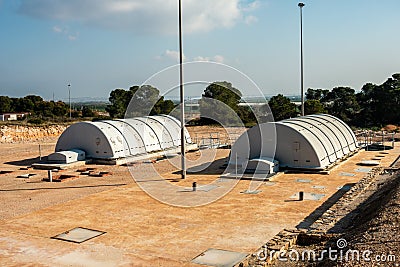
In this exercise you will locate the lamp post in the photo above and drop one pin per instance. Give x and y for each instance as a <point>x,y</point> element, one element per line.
<point>69,99</point>
<point>182,96</point>
<point>301,5</point>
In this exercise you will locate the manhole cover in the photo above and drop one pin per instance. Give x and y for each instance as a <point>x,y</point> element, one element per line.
<point>363,170</point>
<point>204,188</point>
<point>251,192</point>
<point>308,196</point>
<point>347,174</point>
<point>78,235</point>
<point>303,181</point>
<point>219,258</point>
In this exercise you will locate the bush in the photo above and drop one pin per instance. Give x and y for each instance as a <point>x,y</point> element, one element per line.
<point>35,120</point>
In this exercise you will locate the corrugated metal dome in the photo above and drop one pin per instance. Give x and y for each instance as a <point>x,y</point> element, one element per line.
<point>113,139</point>
<point>313,141</point>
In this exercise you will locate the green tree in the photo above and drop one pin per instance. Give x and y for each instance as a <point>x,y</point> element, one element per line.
<point>380,104</point>
<point>282,108</point>
<point>119,99</point>
<point>60,109</point>
<point>5,104</point>
<point>211,108</point>
<point>316,94</point>
<point>138,101</point>
<point>313,106</point>
<point>342,103</point>
<point>87,112</point>
<point>44,109</point>
<point>163,107</point>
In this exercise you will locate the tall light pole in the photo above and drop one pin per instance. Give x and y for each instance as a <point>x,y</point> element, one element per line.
<point>182,96</point>
<point>301,5</point>
<point>69,99</point>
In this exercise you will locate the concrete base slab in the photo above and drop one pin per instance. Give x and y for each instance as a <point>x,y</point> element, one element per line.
<point>366,170</point>
<point>52,166</point>
<point>137,158</point>
<point>303,181</point>
<point>219,258</point>
<point>247,176</point>
<point>347,174</point>
<point>78,235</point>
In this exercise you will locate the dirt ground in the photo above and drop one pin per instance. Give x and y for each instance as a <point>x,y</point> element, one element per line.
<point>141,230</point>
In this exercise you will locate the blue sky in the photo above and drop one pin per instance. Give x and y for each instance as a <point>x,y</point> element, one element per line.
<point>100,45</point>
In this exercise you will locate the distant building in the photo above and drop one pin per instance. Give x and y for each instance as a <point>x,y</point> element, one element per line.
<point>13,116</point>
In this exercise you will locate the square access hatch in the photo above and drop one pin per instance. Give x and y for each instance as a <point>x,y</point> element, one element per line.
<point>78,235</point>
<point>219,258</point>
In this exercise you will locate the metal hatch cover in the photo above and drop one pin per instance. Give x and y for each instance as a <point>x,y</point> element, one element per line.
<point>78,235</point>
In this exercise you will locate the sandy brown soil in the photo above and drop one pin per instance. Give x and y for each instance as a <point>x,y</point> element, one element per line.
<point>20,196</point>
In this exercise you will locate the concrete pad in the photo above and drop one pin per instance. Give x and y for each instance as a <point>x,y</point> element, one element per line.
<point>303,180</point>
<point>308,196</point>
<point>78,235</point>
<point>347,174</point>
<point>219,258</point>
<point>51,166</point>
<point>366,170</point>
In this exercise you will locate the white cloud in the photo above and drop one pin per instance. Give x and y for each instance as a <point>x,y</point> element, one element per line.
<point>250,19</point>
<point>57,29</point>
<point>174,55</point>
<point>217,58</point>
<point>66,32</point>
<point>73,37</point>
<point>151,16</point>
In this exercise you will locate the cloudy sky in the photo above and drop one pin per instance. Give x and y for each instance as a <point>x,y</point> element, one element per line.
<point>99,45</point>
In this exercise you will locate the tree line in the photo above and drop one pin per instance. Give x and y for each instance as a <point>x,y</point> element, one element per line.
<point>374,106</point>
<point>40,110</point>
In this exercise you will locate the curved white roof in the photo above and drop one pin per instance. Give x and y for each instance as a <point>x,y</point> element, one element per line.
<point>314,141</point>
<point>113,139</point>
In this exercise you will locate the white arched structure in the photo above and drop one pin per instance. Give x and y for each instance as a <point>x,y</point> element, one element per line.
<point>115,139</point>
<point>308,142</point>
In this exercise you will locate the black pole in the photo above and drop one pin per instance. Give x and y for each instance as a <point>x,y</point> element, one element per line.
<point>69,100</point>
<point>301,5</point>
<point>182,96</point>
